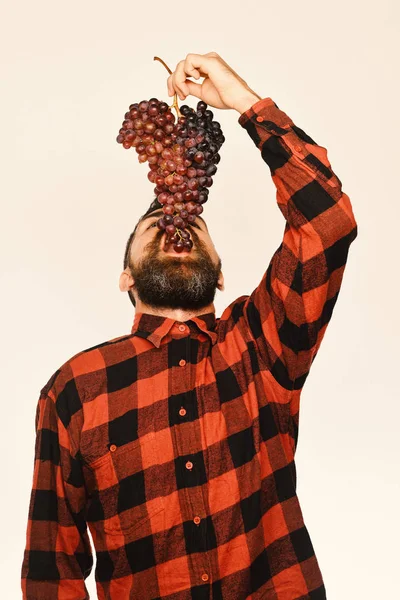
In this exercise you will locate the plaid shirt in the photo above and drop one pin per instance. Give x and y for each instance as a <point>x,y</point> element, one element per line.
<point>174,445</point>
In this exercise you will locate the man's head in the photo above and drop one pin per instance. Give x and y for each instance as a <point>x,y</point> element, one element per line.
<point>160,279</point>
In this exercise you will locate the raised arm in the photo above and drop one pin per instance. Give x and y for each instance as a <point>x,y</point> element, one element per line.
<point>57,556</point>
<point>290,309</point>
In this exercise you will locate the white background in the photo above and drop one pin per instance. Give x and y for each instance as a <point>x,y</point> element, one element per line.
<point>70,196</point>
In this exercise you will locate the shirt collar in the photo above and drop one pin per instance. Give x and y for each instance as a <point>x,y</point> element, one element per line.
<point>155,327</point>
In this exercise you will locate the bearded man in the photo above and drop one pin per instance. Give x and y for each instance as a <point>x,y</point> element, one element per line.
<point>174,444</point>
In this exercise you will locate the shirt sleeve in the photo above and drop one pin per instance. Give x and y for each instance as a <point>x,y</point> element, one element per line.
<point>288,312</point>
<point>57,557</point>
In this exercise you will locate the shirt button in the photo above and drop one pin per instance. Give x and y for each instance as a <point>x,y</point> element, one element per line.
<point>182,362</point>
<point>189,465</point>
<point>113,448</point>
<point>182,412</point>
<point>197,520</point>
<point>260,119</point>
<point>182,328</point>
<point>204,577</point>
<point>298,148</point>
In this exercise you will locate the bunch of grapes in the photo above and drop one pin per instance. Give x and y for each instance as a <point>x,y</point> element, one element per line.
<point>182,156</point>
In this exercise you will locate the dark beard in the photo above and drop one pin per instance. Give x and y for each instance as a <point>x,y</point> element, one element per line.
<point>187,282</point>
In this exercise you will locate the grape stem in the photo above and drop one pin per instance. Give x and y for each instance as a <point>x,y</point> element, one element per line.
<point>175,102</point>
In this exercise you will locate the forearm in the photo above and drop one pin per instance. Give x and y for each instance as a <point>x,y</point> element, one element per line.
<point>307,186</point>
<point>57,556</point>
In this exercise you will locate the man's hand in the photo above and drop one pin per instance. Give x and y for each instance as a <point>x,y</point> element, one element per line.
<point>221,88</point>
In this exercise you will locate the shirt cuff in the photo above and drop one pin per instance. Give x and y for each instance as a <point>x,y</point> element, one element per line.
<point>263,111</point>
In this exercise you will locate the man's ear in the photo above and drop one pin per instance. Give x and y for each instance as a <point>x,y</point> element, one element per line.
<point>126,280</point>
<point>220,283</point>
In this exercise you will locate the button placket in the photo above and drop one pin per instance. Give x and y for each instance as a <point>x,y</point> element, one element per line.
<point>189,465</point>
<point>182,363</point>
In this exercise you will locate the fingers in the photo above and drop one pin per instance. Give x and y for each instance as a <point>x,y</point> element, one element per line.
<point>190,69</point>
<point>170,87</point>
<point>178,79</point>
<point>196,66</point>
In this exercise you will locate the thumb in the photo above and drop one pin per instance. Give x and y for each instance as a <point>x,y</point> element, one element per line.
<point>194,88</point>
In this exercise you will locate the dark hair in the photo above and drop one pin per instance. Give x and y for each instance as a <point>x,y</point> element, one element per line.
<point>155,205</point>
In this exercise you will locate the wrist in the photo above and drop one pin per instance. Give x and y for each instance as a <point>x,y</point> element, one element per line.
<point>246,102</point>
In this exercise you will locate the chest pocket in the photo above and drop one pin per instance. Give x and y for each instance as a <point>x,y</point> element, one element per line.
<point>126,492</point>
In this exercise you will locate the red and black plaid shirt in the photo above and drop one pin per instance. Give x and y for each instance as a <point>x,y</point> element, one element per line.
<point>175,444</point>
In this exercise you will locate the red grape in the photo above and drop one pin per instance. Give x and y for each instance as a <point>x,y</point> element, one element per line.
<point>160,223</point>
<point>149,127</point>
<point>151,151</point>
<point>178,179</point>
